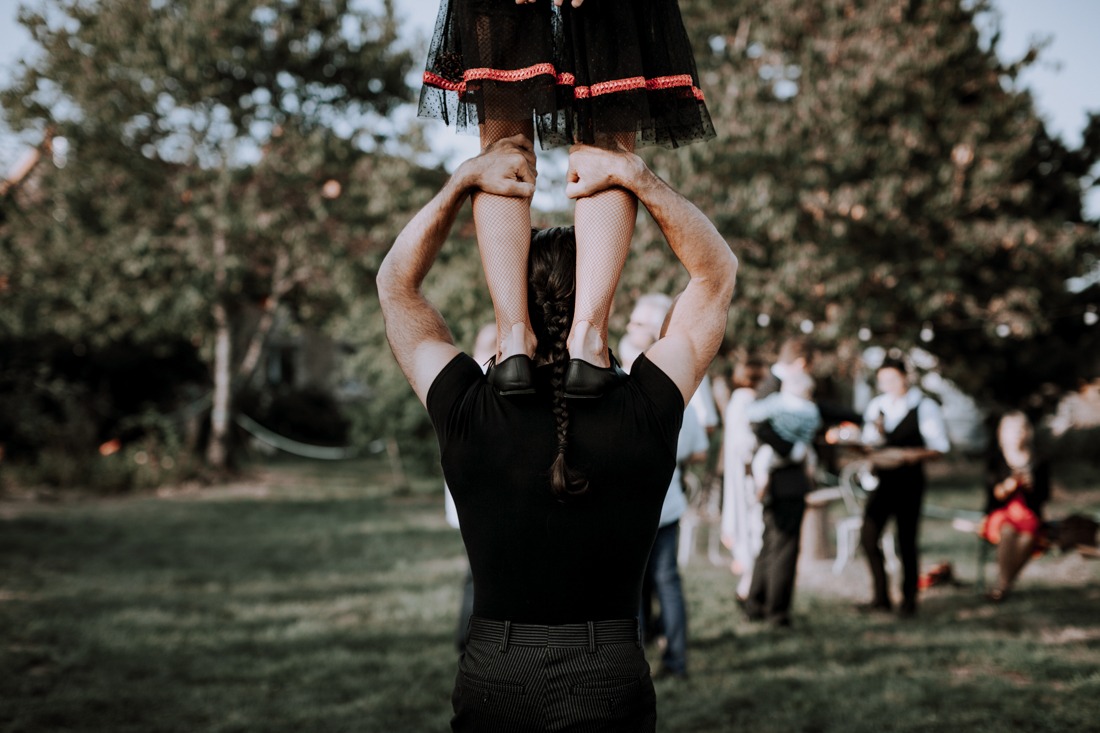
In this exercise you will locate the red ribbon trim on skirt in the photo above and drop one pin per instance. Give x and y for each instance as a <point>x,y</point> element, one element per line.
<point>579,92</point>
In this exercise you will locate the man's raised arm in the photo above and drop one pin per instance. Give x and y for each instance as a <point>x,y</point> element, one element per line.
<point>418,335</point>
<point>697,322</point>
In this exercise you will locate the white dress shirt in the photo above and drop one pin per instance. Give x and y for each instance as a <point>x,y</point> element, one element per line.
<point>894,409</point>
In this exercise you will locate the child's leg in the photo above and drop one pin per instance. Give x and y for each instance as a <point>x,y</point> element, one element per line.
<point>1025,548</point>
<point>1013,552</point>
<point>604,226</point>
<point>503,226</point>
<point>1006,558</point>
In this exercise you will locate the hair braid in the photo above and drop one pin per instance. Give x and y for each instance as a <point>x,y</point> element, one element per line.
<point>551,298</point>
<point>563,480</point>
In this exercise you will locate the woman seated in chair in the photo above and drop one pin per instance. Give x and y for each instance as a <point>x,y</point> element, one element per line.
<point>1017,487</point>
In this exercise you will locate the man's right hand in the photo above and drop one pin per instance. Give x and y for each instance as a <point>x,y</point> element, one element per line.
<point>505,168</point>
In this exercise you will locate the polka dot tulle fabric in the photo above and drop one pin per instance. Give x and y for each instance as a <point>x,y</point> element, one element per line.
<point>582,74</point>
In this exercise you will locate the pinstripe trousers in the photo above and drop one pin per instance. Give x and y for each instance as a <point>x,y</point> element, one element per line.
<point>580,678</point>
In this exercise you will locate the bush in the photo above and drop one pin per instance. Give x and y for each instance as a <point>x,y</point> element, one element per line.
<point>41,417</point>
<point>63,406</point>
<point>152,455</point>
<point>308,415</point>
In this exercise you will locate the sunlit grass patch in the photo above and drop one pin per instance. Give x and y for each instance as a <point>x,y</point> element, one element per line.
<point>323,599</point>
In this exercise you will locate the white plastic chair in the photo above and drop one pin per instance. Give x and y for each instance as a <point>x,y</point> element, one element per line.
<point>856,479</point>
<point>703,512</point>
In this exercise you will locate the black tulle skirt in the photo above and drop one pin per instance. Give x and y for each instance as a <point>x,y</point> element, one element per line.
<point>608,68</point>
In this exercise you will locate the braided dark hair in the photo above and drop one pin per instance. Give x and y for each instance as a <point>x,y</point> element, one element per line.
<point>551,291</point>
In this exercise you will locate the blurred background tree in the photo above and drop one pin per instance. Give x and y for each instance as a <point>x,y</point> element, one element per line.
<point>211,163</point>
<point>210,169</point>
<point>885,181</point>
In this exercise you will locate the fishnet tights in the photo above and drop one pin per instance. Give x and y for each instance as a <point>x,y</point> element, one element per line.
<point>503,226</point>
<point>604,227</point>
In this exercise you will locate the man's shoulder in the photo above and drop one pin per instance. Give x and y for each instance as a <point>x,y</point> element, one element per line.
<point>651,379</point>
<point>454,378</point>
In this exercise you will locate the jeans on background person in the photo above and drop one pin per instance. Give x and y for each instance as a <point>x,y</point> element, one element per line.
<point>663,576</point>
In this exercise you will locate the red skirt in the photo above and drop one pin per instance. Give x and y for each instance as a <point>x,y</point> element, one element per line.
<point>1015,514</point>
<point>610,67</point>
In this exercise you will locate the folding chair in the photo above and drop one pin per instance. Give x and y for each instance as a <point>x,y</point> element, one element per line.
<point>855,481</point>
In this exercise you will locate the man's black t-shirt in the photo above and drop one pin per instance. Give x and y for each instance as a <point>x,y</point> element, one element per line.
<point>535,558</point>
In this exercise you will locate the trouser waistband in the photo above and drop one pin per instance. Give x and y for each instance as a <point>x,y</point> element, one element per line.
<point>591,634</point>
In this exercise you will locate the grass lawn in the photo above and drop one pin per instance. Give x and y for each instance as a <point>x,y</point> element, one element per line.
<point>315,598</point>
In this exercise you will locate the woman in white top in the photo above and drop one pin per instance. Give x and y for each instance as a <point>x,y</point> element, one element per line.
<point>742,515</point>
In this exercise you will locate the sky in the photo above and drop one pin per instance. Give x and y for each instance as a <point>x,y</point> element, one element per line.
<point>1064,83</point>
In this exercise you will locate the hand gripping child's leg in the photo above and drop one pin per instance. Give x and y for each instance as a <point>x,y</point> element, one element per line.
<point>503,226</point>
<point>604,226</point>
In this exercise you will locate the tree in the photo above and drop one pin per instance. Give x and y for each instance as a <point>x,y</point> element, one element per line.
<point>882,177</point>
<point>218,154</point>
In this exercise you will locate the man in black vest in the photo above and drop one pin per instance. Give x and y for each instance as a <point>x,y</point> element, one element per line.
<point>908,429</point>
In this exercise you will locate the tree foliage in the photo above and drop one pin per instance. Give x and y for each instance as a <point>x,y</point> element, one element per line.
<point>878,170</point>
<point>882,177</point>
<point>219,158</point>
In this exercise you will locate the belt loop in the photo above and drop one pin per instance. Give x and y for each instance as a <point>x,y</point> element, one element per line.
<point>591,637</point>
<point>504,641</point>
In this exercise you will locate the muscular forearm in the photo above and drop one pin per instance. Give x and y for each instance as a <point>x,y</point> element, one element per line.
<point>699,316</point>
<point>417,333</point>
<point>414,251</point>
<point>698,319</point>
<point>506,168</point>
<point>690,234</point>
<point>411,320</point>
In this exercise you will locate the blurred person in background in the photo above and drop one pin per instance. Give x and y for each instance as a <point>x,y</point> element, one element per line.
<point>792,414</point>
<point>1017,486</point>
<point>782,483</point>
<point>906,428</point>
<point>742,524</point>
<point>662,579</point>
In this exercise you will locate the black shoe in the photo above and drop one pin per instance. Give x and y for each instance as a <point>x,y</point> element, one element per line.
<point>586,381</point>
<point>908,609</point>
<point>512,376</point>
